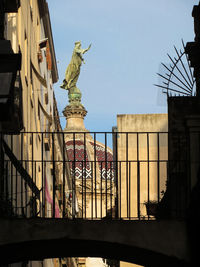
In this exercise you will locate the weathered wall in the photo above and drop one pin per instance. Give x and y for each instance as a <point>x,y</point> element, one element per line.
<point>144,177</point>
<point>141,179</point>
<point>142,122</point>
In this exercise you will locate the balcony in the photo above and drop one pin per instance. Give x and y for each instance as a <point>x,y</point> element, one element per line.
<point>118,177</point>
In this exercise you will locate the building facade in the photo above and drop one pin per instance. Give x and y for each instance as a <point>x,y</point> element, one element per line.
<point>142,153</point>
<point>35,178</point>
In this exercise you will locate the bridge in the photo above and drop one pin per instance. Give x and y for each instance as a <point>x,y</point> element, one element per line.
<point>139,242</point>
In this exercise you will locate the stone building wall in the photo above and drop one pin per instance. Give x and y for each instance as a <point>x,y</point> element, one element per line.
<point>134,183</point>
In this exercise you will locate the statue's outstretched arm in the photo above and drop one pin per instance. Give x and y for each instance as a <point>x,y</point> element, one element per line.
<point>85,50</point>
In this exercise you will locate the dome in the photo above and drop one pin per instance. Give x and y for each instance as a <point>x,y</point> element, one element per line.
<point>83,160</point>
<point>79,162</point>
<point>92,171</point>
<point>104,157</point>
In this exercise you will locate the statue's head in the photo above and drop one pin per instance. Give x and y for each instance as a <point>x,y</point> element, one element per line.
<point>78,44</point>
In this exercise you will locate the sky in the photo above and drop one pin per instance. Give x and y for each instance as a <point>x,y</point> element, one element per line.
<point>130,39</point>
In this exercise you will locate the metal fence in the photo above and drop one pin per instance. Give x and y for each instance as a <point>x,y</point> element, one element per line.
<point>107,175</point>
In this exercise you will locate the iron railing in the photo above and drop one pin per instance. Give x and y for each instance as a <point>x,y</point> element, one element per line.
<point>114,175</point>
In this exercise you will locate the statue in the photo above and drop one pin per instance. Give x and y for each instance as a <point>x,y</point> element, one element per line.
<point>73,71</point>
<point>75,110</point>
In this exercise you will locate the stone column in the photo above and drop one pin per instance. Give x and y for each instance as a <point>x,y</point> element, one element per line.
<point>75,118</point>
<point>75,113</point>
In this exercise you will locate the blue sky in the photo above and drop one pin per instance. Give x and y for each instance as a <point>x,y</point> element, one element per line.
<point>130,38</point>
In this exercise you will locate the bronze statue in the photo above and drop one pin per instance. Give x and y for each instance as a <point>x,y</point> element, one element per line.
<point>73,69</point>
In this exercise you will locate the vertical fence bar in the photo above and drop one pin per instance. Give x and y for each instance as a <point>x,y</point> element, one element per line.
<point>82,172</point>
<point>116,166</point>
<point>188,167</point>
<point>120,190</point>
<point>2,168</point>
<point>92,190</point>
<point>5,174</point>
<point>115,170</point>
<point>22,147</point>
<point>11,173</point>
<point>184,169</point>
<point>139,190</point>
<point>32,160</point>
<point>74,177</point>
<point>129,189</point>
<point>169,162</point>
<point>85,170</point>
<point>180,169</point>
<point>74,186</point>
<point>10,168</point>
<point>127,184</point>
<point>138,178</point>
<point>101,215</point>
<point>158,166</point>
<point>148,178</point>
<point>42,162</point>
<point>54,176</point>
<point>111,178</point>
<point>14,172</point>
<point>178,163</point>
<point>35,201</point>
<point>11,188</point>
<point>95,175</point>
<point>16,195</point>
<point>106,171</point>
<point>26,191</point>
<point>1,162</point>
<point>13,195</point>
<point>64,174</point>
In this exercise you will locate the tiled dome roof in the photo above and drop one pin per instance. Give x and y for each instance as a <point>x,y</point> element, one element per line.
<point>80,159</point>
<point>83,160</point>
<point>105,160</point>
